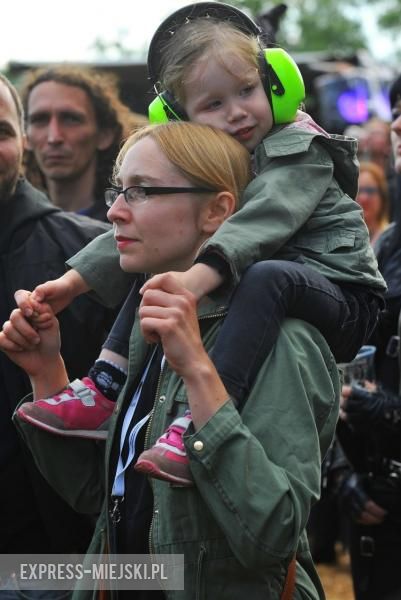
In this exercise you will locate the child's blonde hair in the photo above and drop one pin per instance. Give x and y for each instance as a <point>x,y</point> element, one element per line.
<point>201,39</point>
<point>208,157</point>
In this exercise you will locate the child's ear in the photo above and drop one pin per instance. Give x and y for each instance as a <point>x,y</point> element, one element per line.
<point>222,206</point>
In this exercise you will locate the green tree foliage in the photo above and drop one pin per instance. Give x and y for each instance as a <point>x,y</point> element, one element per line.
<point>323,26</point>
<point>390,15</point>
<point>118,48</point>
<point>313,25</point>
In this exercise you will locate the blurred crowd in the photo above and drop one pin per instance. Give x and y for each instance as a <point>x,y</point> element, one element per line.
<point>360,507</point>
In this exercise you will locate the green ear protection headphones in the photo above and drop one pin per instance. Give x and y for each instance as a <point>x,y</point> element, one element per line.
<point>282,79</point>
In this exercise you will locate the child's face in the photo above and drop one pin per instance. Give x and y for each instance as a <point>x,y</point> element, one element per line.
<point>230,97</point>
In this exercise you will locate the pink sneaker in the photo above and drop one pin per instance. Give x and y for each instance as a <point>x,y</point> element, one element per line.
<point>78,411</point>
<point>167,459</point>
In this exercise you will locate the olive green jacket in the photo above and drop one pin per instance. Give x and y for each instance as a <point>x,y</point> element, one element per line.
<point>299,207</point>
<point>256,473</point>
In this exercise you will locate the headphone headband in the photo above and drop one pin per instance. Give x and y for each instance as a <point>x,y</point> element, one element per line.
<point>217,10</point>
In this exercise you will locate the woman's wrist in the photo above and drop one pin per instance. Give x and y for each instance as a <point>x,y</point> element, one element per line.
<point>51,380</point>
<point>205,390</point>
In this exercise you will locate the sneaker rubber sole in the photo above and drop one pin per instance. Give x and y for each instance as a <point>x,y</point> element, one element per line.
<point>152,470</point>
<point>80,433</point>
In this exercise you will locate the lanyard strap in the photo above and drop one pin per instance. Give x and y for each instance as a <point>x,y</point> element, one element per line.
<point>119,479</point>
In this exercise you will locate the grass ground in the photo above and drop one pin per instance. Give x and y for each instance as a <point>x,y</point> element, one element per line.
<point>336,579</point>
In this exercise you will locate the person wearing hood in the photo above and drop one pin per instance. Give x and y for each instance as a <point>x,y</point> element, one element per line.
<point>36,238</point>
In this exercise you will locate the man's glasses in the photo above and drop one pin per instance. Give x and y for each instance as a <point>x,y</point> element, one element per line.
<point>369,190</point>
<point>136,194</point>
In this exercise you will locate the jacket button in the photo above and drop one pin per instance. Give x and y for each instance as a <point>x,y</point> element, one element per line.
<point>162,399</point>
<point>198,445</point>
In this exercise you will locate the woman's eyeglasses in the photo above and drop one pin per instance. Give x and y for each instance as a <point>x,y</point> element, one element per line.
<point>369,190</point>
<point>136,194</point>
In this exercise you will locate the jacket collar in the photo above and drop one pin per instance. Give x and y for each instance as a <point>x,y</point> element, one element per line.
<point>294,138</point>
<point>27,205</point>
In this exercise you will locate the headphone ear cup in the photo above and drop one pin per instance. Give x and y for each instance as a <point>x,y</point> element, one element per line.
<point>156,112</point>
<point>286,85</point>
<point>165,108</point>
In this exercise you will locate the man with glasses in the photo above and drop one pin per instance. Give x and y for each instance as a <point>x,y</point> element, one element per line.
<point>36,238</point>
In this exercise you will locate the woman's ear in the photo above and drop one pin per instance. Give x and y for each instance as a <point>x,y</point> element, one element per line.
<point>218,209</point>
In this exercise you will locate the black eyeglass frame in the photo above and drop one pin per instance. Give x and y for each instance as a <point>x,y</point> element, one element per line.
<point>369,190</point>
<point>149,191</point>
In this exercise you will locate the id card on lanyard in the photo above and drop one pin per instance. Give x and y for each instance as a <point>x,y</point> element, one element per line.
<point>118,489</point>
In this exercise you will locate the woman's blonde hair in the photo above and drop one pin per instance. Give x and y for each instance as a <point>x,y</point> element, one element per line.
<point>378,174</point>
<point>201,39</point>
<point>208,157</point>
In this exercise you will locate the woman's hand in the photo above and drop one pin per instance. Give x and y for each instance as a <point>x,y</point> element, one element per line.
<point>30,348</point>
<point>356,502</point>
<point>168,314</point>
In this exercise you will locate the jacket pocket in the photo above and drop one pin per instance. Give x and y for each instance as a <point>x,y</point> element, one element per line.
<point>324,242</point>
<point>175,399</point>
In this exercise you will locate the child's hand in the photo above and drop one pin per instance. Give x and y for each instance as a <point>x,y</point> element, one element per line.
<point>42,317</point>
<point>200,279</point>
<point>38,314</point>
<point>58,293</point>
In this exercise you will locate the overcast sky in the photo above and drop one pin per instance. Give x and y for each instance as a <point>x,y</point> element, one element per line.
<point>65,30</point>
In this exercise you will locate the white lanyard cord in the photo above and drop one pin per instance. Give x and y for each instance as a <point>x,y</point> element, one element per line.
<point>119,480</point>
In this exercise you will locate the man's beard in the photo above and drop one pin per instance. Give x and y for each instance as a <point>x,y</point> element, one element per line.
<point>7,187</point>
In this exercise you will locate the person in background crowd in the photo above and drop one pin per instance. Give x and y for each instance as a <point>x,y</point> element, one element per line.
<point>370,430</point>
<point>36,238</point>
<point>360,135</point>
<point>373,198</point>
<point>376,147</point>
<point>75,126</point>
<point>377,143</point>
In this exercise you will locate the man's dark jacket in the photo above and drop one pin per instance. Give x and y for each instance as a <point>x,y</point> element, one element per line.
<point>36,238</point>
